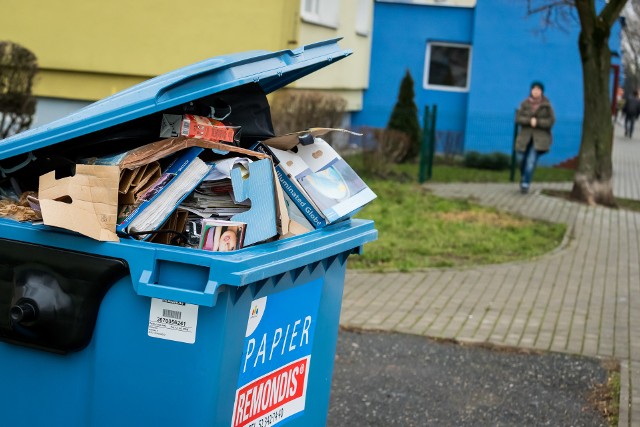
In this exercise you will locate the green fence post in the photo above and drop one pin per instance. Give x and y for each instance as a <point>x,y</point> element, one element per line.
<point>512,176</point>
<point>424,148</point>
<point>432,139</point>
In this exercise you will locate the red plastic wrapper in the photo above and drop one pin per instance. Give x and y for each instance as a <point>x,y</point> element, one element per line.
<point>192,126</point>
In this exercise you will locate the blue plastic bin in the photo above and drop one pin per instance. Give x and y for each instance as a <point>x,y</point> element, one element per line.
<point>133,333</point>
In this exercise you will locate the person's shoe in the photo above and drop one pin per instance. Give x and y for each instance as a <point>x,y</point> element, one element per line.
<point>524,190</point>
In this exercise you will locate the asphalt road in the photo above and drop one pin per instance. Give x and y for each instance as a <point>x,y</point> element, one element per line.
<point>386,379</point>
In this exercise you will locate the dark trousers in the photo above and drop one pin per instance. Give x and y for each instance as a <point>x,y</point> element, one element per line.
<point>528,161</point>
<point>629,122</point>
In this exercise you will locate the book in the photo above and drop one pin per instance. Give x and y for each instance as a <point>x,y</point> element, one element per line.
<point>293,192</point>
<point>222,236</point>
<point>178,180</point>
<point>320,182</point>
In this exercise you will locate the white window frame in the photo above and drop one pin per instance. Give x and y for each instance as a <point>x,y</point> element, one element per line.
<point>321,12</point>
<point>363,17</point>
<point>427,63</point>
<point>447,3</point>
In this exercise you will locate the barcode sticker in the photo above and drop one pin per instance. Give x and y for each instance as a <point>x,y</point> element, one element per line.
<point>173,320</point>
<point>172,314</point>
<point>186,127</point>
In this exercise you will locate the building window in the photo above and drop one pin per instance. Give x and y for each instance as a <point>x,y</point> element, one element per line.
<point>363,17</point>
<point>448,3</point>
<point>321,12</point>
<point>447,66</point>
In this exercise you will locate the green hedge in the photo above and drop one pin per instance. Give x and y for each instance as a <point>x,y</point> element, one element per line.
<point>492,161</point>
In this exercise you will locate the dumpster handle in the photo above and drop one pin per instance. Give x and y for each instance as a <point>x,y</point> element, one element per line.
<point>202,290</point>
<point>148,287</point>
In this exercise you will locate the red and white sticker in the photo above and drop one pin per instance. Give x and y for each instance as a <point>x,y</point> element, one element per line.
<point>273,397</point>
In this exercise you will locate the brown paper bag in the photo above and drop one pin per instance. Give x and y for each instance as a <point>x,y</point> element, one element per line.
<point>161,149</point>
<point>176,222</point>
<point>144,178</point>
<point>86,202</point>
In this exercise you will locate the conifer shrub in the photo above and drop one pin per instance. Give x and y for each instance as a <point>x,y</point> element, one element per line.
<point>404,117</point>
<point>492,161</point>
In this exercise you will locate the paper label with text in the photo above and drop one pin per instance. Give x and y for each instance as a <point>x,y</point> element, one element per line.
<point>173,320</point>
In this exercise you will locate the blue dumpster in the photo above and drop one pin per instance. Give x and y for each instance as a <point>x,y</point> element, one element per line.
<point>133,333</point>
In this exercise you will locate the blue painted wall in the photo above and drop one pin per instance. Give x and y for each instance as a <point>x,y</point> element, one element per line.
<point>507,58</point>
<point>400,36</point>
<point>509,51</point>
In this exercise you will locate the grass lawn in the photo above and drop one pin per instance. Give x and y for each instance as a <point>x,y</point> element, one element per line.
<point>445,173</point>
<point>419,230</point>
<point>457,173</point>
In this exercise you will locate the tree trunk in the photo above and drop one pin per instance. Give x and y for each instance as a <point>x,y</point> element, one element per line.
<point>592,182</point>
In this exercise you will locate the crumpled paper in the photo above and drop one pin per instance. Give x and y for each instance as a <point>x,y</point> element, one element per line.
<point>19,211</point>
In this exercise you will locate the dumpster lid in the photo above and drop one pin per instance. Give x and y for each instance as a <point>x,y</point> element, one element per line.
<point>270,70</point>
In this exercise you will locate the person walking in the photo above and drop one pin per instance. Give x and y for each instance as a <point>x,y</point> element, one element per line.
<point>536,118</point>
<point>620,98</point>
<point>631,112</point>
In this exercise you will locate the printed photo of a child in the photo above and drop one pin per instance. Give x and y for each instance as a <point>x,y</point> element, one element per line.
<point>222,236</point>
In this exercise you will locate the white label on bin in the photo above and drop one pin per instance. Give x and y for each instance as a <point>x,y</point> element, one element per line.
<point>173,320</point>
<point>274,369</point>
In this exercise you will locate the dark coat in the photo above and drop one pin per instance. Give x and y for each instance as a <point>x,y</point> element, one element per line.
<point>632,107</point>
<point>541,134</point>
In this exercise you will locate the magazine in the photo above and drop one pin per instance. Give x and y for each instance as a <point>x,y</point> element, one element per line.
<point>164,196</point>
<point>222,236</point>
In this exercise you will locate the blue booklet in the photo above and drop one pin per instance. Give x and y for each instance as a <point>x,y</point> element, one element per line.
<point>179,179</point>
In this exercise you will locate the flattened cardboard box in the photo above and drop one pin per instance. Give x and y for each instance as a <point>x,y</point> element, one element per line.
<point>86,202</point>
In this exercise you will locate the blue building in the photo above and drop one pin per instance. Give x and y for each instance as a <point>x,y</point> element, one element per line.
<point>475,61</point>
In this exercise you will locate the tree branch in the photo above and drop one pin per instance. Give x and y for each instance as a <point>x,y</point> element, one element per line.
<point>611,11</point>
<point>555,13</point>
<point>586,12</point>
<point>531,10</point>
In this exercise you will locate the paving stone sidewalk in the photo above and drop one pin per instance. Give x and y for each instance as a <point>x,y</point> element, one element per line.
<point>582,298</point>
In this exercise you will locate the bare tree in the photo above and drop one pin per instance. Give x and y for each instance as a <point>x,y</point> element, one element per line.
<point>18,67</point>
<point>631,45</point>
<point>592,181</point>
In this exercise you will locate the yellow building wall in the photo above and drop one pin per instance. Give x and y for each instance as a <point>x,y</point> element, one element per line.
<point>350,76</point>
<point>89,49</point>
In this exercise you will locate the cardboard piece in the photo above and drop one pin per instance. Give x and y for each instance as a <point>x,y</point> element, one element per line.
<point>259,187</point>
<point>295,229</point>
<point>282,213</point>
<point>176,222</point>
<point>19,211</point>
<point>290,140</point>
<point>86,202</point>
<point>134,183</point>
<point>163,148</point>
